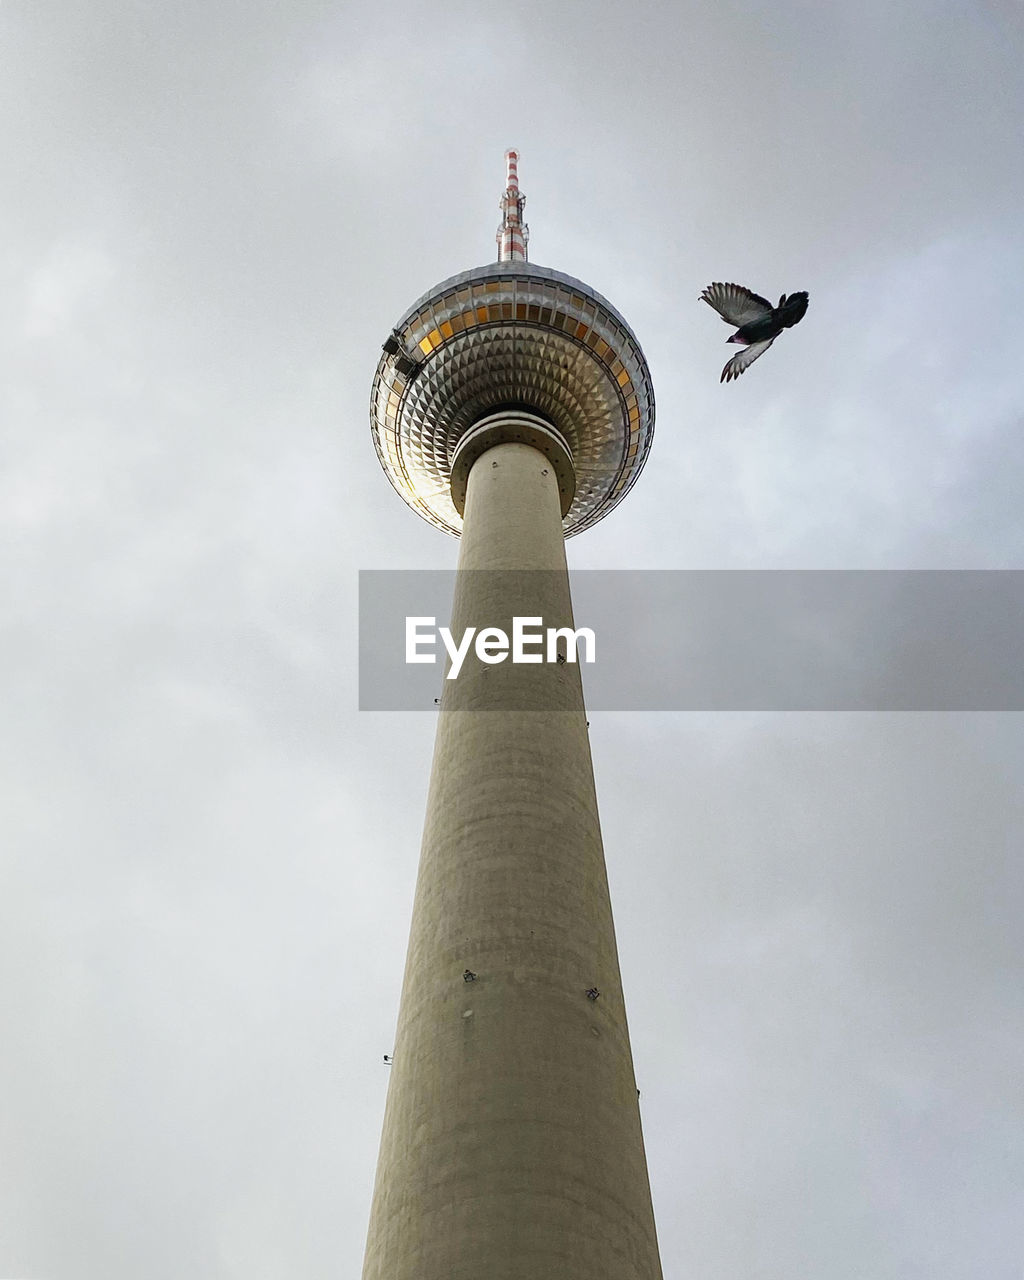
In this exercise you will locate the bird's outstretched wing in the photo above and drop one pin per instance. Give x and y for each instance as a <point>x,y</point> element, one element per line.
<point>735,304</point>
<point>744,360</point>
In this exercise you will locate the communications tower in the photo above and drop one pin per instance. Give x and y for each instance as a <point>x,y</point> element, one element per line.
<point>512,407</point>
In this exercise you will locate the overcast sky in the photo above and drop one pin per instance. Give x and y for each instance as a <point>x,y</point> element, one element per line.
<point>213,215</point>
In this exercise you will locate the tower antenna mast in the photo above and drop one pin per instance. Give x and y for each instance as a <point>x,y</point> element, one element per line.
<point>513,233</point>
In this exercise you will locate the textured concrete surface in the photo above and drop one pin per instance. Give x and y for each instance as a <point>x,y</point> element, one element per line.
<point>512,1147</point>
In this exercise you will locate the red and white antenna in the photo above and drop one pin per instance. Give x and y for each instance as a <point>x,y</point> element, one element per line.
<point>513,233</point>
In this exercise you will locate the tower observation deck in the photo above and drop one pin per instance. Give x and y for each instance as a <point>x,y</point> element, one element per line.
<point>511,334</point>
<point>512,407</point>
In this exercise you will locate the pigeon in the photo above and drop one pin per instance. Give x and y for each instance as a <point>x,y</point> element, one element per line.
<point>759,322</point>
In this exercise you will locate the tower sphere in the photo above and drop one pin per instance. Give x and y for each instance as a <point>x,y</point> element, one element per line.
<point>512,336</point>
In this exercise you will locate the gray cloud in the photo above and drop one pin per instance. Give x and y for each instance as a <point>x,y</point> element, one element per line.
<point>214,217</point>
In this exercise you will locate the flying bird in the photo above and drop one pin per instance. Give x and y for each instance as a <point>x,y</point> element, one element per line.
<point>759,322</point>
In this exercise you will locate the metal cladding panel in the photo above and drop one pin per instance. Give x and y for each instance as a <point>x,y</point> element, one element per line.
<point>512,335</point>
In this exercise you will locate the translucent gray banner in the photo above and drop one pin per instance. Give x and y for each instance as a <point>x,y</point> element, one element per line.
<point>729,640</point>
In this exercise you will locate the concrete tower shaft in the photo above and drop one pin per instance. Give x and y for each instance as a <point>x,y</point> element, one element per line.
<point>512,1146</point>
